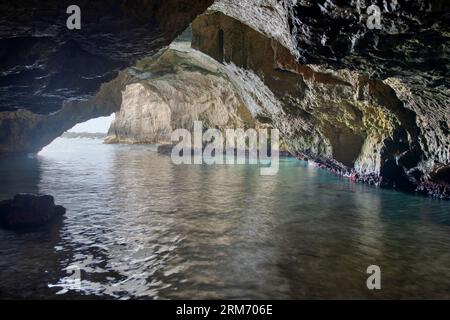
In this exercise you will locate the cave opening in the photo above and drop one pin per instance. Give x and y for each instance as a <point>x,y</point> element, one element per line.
<point>346,146</point>
<point>96,128</point>
<point>84,113</point>
<point>99,125</point>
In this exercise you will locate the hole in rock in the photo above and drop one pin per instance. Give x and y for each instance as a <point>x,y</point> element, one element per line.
<point>96,125</point>
<point>96,128</point>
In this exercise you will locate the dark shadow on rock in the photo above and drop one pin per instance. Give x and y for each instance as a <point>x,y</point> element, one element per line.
<point>28,212</point>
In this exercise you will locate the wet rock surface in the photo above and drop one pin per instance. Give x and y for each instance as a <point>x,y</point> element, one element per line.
<point>370,104</point>
<point>52,78</point>
<point>411,42</point>
<point>43,63</point>
<point>28,211</point>
<point>23,131</point>
<point>364,125</point>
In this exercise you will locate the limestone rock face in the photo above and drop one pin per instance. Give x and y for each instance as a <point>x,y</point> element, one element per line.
<point>409,53</point>
<point>269,17</point>
<point>52,78</point>
<point>23,132</point>
<point>43,63</point>
<point>369,103</point>
<point>363,126</point>
<point>172,91</point>
<point>410,42</point>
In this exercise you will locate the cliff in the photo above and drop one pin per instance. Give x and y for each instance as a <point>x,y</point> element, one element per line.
<point>172,91</point>
<point>353,111</point>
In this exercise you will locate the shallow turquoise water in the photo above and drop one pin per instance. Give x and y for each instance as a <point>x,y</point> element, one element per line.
<point>138,226</point>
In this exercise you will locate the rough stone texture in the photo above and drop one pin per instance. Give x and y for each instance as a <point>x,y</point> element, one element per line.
<point>42,63</point>
<point>269,17</point>
<point>345,120</point>
<point>365,103</point>
<point>412,43</point>
<point>410,53</point>
<point>172,91</point>
<point>28,211</point>
<point>23,132</point>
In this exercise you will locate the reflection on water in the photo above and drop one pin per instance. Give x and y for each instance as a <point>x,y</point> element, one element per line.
<point>139,227</point>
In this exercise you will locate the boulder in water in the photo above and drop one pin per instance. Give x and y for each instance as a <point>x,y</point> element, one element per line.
<point>29,211</point>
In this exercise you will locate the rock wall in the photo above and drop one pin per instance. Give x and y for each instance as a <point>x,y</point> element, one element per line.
<point>361,126</point>
<point>43,63</point>
<point>364,125</point>
<point>371,104</point>
<point>172,91</point>
<point>52,78</point>
<point>23,132</point>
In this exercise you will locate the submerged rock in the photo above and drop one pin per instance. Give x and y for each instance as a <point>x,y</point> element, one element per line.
<point>29,211</point>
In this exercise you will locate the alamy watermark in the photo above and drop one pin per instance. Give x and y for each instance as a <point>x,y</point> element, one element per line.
<point>233,146</point>
<point>374,280</point>
<point>374,11</point>
<point>73,22</point>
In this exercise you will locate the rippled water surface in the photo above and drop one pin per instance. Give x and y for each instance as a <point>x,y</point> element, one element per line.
<point>139,227</point>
